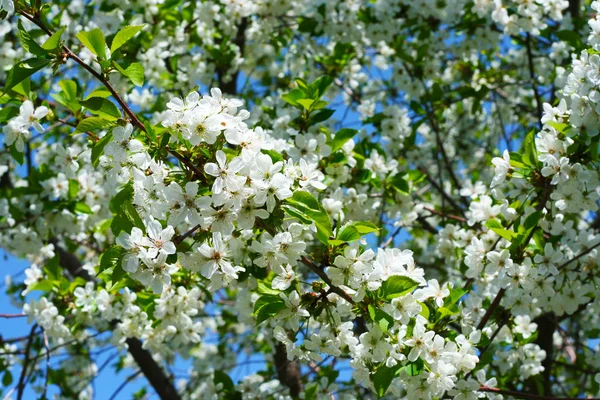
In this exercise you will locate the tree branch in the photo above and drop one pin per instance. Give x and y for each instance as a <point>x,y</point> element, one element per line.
<point>521,395</point>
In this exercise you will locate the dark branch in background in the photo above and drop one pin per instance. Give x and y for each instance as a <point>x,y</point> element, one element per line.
<point>21,384</point>
<point>47,347</point>
<point>574,6</point>
<point>317,270</point>
<point>521,395</point>
<point>442,191</point>
<point>125,382</point>
<point>288,372</point>
<point>538,99</point>
<point>545,328</point>
<point>230,86</point>
<point>151,370</point>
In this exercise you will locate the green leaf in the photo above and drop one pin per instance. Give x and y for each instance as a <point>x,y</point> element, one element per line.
<point>94,40</point>
<point>7,378</point>
<point>444,312</point>
<point>396,286</point>
<point>53,41</point>
<point>341,137</point>
<point>28,43</point>
<point>127,216</point>
<point>23,70</point>
<point>103,108</point>
<point>414,368</point>
<point>18,156</point>
<point>496,226</point>
<point>572,38</point>
<point>264,288</point>
<point>355,230</point>
<point>275,156</point>
<point>400,184</point>
<point>267,306</point>
<point>320,86</point>
<point>73,188</point>
<point>100,91</point>
<point>135,73</point>
<point>306,103</point>
<point>92,124</point>
<point>70,88</point>
<point>309,208</point>
<point>382,378</point>
<point>383,319</point>
<point>150,130</point>
<point>424,311</point>
<point>125,195</point>
<point>83,208</point>
<point>529,150</point>
<point>532,220</point>
<point>321,116</point>
<point>293,96</point>
<point>98,149</point>
<point>110,257</point>
<point>124,35</point>
<point>45,286</point>
<point>224,379</point>
<point>302,84</point>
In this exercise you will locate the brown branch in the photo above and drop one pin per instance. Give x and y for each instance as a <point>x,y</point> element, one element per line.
<point>317,270</point>
<point>583,253</point>
<point>440,213</point>
<point>180,238</point>
<point>12,315</point>
<point>538,100</point>
<point>47,347</point>
<point>442,191</point>
<point>490,310</point>
<point>521,395</point>
<point>152,371</point>
<point>21,384</point>
<point>288,372</point>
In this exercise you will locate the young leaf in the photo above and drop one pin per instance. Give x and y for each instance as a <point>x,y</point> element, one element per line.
<point>103,108</point>
<point>92,124</point>
<point>28,43</point>
<point>100,91</point>
<point>95,42</point>
<point>321,85</point>
<point>73,188</point>
<point>98,149</point>
<point>22,71</point>
<point>396,286</point>
<point>293,96</point>
<point>355,230</point>
<point>309,208</point>
<point>124,35</point>
<point>53,41</point>
<point>135,73</point>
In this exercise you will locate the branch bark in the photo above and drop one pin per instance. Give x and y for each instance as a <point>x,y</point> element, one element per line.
<point>149,367</point>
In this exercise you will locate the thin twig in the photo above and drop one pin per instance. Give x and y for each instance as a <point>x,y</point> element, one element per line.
<point>47,365</point>
<point>125,382</point>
